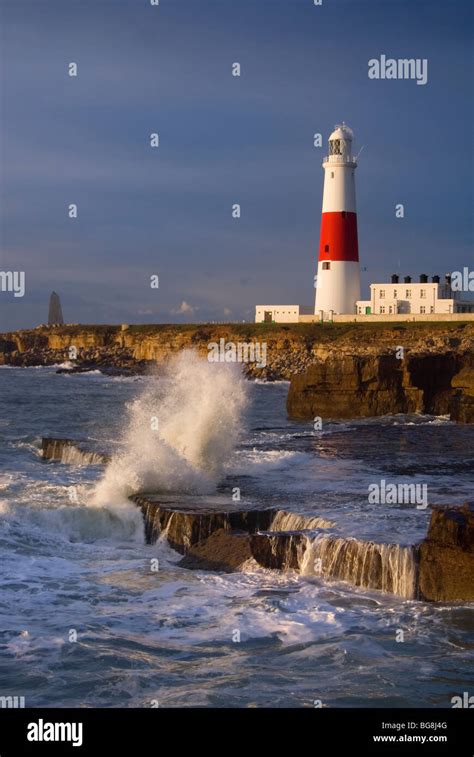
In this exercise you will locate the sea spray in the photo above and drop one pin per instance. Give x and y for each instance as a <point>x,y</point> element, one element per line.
<point>179,432</point>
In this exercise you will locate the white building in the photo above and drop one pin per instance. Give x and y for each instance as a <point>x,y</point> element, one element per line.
<point>280,313</point>
<point>421,298</point>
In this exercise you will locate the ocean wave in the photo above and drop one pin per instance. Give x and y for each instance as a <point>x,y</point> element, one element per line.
<point>178,433</point>
<point>46,512</point>
<point>263,460</point>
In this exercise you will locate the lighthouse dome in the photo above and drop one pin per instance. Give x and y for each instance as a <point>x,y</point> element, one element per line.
<point>342,131</point>
<point>340,145</point>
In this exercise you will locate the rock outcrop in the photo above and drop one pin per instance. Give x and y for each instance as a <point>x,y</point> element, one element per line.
<point>446,556</point>
<point>355,386</point>
<point>336,371</point>
<point>387,567</point>
<point>440,568</point>
<point>462,399</point>
<point>291,349</point>
<point>352,386</point>
<point>185,527</point>
<point>223,551</point>
<point>281,550</point>
<point>69,451</point>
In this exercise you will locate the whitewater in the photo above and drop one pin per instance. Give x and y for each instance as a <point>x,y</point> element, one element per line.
<point>85,621</point>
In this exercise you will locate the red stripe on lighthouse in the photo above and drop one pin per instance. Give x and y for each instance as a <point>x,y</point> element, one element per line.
<point>338,240</point>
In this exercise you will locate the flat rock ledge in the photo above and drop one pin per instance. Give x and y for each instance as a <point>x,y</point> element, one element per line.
<point>186,526</point>
<point>439,568</point>
<point>72,452</point>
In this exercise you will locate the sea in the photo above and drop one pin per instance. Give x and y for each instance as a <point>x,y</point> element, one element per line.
<point>92,616</point>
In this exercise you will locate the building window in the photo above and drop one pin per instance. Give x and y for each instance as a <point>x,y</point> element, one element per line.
<point>422,309</point>
<point>395,293</point>
<point>423,294</point>
<point>326,248</point>
<point>332,174</point>
<point>408,294</point>
<point>382,309</point>
<point>390,309</point>
<point>382,294</point>
<point>432,309</point>
<point>326,266</point>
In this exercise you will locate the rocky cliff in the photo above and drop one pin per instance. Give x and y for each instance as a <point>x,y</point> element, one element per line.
<point>336,370</point>
<point>352,386</point>
<point>290,349</point>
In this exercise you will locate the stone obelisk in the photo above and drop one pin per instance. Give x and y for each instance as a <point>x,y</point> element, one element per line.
<point>55,317</point>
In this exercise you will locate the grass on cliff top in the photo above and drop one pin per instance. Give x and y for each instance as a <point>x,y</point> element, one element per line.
<point>251,330</point>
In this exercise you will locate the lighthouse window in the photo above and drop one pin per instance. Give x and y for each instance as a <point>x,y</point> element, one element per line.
<point>332,174</point>
<point>326,266</point>
<point>335,147</point>
<point>326,248</point>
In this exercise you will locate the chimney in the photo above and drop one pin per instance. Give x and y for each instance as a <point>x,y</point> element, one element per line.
<point>407,279</point>
<point>395,278</point>
<point>423,278</point>
<point>435,279</point>
<point>447,279</point>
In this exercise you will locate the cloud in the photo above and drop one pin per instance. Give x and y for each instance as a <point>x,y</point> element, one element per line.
<point>184,308</point>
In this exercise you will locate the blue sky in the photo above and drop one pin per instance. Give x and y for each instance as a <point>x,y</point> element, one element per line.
<point>223,140</point>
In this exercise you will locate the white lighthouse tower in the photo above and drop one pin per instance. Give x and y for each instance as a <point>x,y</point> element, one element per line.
<point>338,280</point>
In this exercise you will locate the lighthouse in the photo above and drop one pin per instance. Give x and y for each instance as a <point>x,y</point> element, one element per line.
<point>338,279</point>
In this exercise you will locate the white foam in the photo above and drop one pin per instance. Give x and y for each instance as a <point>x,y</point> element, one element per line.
<point>6,479</point>
<point>278,382</point>
<point>263,460</point>
<point>179,432</point>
